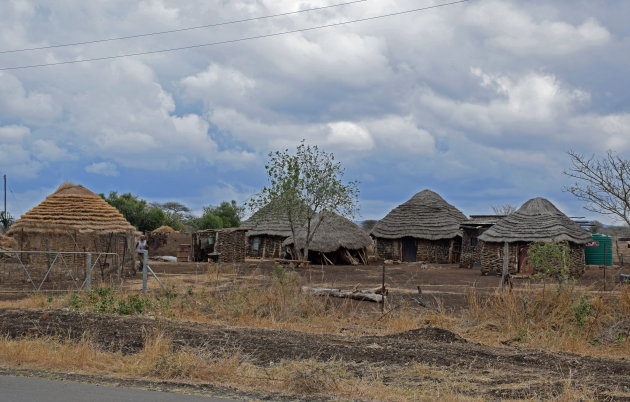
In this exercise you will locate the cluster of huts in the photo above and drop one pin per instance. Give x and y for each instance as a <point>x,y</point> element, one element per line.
<point>426,228</point>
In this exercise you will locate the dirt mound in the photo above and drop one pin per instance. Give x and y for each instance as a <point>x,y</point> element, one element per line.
<point>431,334</point>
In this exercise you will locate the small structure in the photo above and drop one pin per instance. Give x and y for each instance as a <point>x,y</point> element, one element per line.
<point>163,242</point>
<point>266,233</point>
<point>336,241</point>
<point>425,228</point>
<point>75,219</point>
<point>537,220</point>
<point>471,230</point>
<point>220,245</point>
<point>7,243</point>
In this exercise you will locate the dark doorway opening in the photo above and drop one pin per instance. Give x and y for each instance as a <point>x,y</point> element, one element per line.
<point>409,249</point>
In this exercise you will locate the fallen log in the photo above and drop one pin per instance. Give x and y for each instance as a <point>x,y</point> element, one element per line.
<point>346,294</point>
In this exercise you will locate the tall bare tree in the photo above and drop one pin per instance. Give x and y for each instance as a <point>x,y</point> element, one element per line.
<point>604,183</point>
<point>506,209</point>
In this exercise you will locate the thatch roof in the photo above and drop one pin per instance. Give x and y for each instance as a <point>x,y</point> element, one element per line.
<point>425,216</point>
<point>7,242</point>
<point>334,233</point>
<point>537,219</point>
<point>164,229</point>
<point>477,221</point>
<point>72,207</point>
<point>267,222</point>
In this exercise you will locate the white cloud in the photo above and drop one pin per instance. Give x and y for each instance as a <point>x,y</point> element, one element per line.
<point>103,169</point>
<point>349,136</point>
<point>31,106</point>
<point>13,133</point>
<point>47,150</point>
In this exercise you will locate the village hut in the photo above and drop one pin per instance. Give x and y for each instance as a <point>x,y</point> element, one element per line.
<point>164,229</point>
<point>472,228</point>
<point>337,240</point>
<point>7,243</point>
<point>425,228</point>
<point>220,245</point>
<point>537,220</point>
<point>75,219</point>
<point>267,231</point>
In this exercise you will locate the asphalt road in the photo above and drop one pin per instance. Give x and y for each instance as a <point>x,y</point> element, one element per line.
<point>28,389</point>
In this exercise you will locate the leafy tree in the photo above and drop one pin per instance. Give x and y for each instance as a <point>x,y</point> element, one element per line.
<point>226,215</point>
<point>368,224</point>
<point>176,215</point>
<point>604,183</point>
<point>303,185</point>
<point>136,211</point>
<point>550,258</point>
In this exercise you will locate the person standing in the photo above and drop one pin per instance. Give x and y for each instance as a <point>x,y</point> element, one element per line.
<point>141,248</point>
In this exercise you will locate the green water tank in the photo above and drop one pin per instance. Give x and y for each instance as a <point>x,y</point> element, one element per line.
<point>595,253</point>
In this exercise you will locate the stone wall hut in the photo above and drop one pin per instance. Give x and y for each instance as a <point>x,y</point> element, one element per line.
<point>472,228</point>
<point>266,233</point>
<point>75,219</point>
<point>537,220</point>
<point>337,241</point>
<point>425,228</point>
<point>220,245</point>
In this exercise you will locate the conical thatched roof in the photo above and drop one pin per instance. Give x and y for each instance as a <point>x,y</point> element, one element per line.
<point>537,219</point>
<point>334,233</point>
<point>72,207</point>
<point>425,216</point>
<point>266,222</point>
<point>164,229</point>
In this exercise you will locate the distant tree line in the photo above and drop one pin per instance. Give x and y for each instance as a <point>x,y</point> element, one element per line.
<point>150,216</point>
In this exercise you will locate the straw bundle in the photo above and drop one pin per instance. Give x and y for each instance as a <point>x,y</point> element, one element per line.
<point>72,207</point>
<point>425,216</point>
<point>164,229</point>
<point>7,242</point>
<point>538,219</point>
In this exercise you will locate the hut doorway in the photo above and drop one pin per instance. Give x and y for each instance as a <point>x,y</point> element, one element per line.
<point>524,265</point>
<point>409,249</point>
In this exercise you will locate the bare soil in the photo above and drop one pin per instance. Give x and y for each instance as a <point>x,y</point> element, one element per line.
<point>501,372</point>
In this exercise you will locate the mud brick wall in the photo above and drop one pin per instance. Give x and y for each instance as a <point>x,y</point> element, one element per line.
<point>161,243</point>
<point>492,258</point>
<point>106,267</point>
<point>268,247</point>
<point>433,251</point>
<point>232,245</point>
<point>470,254</point>
<point>388,249</point>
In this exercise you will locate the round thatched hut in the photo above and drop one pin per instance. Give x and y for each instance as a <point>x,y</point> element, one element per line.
<point>425,228</point>
<point>75,219</point>
<point>537,220</point>
<point>336,241</point>
<point>267,230</point>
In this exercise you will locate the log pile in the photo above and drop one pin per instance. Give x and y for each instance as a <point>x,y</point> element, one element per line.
<point>362,295</point>
<point>231,245</point>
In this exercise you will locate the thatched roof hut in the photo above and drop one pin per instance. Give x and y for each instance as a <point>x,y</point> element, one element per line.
<point>266,222</point>
<point>334,233</point>
<point>425,216</point>
<point>72,207</point>
<point>538,219</point>
<point>164,229</point>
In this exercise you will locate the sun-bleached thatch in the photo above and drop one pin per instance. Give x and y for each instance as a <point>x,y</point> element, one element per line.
<point>267,222</point>
<point>425,216</point>
<point>72,208</point>
<point>334,233</point>
<point>7,243</point>
<point>538,219</point>
<point>164,229</point>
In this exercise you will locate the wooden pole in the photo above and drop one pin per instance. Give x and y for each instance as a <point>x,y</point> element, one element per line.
<point>383,290</point>
<point>604,266</point>
<point>505,264</point>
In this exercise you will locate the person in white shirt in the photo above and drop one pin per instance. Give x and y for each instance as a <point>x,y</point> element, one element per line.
<point>142,247</point>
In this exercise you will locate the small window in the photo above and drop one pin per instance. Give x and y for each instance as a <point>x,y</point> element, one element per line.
<point>474,241</point>
<point>255,244</point>
<point>211,240</point>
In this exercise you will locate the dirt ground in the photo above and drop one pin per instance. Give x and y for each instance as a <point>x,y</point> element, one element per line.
<point>497,372</point>
<point>491,372</point>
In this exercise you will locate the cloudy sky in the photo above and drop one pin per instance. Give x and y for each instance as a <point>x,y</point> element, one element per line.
<point>478,101</point>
